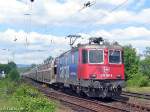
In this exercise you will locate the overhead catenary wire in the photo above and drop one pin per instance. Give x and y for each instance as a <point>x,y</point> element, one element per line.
<point>9,52</point>
<point>5,53</point>
<point>104,15</point>
<point>74,36</point>
<point>28,21</point>
<point>119,6</point>
<point>29,24</point>
<point>88,4</point>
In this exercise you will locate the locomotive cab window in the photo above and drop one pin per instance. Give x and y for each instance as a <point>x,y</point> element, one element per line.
<point>84,56</point>
<point>115,56</point>
<point>96,56</point>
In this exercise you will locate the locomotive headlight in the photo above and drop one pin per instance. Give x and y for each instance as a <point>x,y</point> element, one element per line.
<point>118,76</point>
<point>93,76</point>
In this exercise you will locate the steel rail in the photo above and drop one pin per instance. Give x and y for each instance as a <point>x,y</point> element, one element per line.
<point>95,106</point>
<point>138,95</point>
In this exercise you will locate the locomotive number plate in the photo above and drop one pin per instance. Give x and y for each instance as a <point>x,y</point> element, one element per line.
<point>106,75</point>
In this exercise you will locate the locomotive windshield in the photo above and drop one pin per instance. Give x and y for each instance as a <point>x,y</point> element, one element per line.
<point>95,56</point>
<point>114,56</point>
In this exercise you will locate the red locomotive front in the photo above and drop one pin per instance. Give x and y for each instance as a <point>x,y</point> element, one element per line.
<point>101,69</point>
<point>101,64</point>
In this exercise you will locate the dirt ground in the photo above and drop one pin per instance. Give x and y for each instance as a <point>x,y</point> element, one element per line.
<point>63,108</point>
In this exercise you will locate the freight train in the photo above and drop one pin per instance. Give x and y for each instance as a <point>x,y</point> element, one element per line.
<point>95,69</point>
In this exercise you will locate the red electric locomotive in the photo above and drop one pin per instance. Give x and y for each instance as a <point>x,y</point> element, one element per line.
<point>95,69</point>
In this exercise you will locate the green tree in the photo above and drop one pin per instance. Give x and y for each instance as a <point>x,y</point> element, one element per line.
<point>2,67</point>
<point>145,67</point>
<point>145,63</point>
<point>14,75</point>
<point>131,61</point>
<point>147,52</point>
<point>5,68</point>
<point>12,65</point>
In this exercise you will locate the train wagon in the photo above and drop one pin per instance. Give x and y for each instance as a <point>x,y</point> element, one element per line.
<point>42,73</point>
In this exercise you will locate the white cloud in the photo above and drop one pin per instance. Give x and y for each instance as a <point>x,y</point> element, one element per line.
<point>126,34</point>
<point>41,46</point>
<point>38,46</point>
<point>9,9</point>
<point>126,17</point>
<point>136,36</point>
<point>51,12</point>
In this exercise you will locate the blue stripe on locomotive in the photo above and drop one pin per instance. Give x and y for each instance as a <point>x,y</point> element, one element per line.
<point>67,66</point>
<point>67,71</point>
<point>73,71</point>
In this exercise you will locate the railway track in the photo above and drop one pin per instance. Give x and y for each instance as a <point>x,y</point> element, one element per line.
<point>134,107</point>
<point>81,104</point>
<point>137,95</point>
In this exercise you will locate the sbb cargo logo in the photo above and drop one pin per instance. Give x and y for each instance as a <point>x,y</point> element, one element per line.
<point>106,69</point>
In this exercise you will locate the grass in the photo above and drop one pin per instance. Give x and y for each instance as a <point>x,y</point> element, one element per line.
<point>23,98</point>
<point>138,89</point>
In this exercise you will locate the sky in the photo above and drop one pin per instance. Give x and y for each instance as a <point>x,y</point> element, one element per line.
<point>30,32</point>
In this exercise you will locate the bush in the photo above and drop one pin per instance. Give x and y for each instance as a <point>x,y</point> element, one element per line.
<point>14,75</point>
<point>139,80</point>
<point>10,87</point>
<point>31,100</point>
<point>25,90</point>
<point>145,67</point>
<point>7,87</point>
<point>24,97</point>
<point>30,104</point>
<point>149,83</point>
